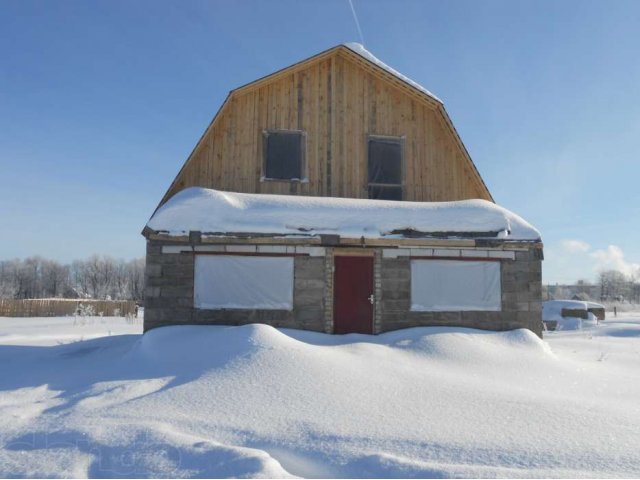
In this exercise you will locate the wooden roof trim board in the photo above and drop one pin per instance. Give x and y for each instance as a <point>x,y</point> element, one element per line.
<point>195,149</point>
<point>454,131</point>
<point>301,65</point>
<point>494,244</point>
<point>381,73</point>
<point>344,52</point>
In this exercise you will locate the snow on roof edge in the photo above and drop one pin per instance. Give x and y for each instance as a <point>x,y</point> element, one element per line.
<point>211,211</point>
<point>359,49</point>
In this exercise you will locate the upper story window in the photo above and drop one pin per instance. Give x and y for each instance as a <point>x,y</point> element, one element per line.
<point>385,167</point>
<point>284,155</point>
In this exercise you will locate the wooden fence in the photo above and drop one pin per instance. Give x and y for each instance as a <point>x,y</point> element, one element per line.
<point>57,307</point>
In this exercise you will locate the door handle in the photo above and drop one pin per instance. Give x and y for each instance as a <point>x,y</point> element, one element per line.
<point>371,299</point>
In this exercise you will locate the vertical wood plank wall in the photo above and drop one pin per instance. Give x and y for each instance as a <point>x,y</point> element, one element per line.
<point>337,102</point>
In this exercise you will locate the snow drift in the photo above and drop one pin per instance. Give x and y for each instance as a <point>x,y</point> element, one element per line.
<point>212,211</point>
<point>254,401</point>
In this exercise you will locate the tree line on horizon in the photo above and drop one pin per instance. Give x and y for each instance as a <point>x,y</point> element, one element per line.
<point>611,286</point>
<point>104,277</point>
<point>98,277</point>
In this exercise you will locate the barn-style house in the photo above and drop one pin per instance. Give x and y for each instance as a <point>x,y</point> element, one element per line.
<point>335,195</point>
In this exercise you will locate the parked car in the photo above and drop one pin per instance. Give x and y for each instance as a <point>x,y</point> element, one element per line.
<point>569,314</point>
<point>597,309</point>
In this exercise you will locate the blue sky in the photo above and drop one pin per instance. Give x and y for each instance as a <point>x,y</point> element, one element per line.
<point>101,102</point>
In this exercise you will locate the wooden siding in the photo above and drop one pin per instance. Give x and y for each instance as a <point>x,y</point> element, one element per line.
<point>338,100</point>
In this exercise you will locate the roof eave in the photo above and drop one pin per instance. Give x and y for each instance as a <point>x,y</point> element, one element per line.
<point>473,240</point>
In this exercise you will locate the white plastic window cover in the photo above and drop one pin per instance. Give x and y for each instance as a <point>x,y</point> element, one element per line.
<point>247,282</point>
<point>455,285</point>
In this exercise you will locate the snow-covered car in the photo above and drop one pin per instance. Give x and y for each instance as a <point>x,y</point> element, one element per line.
<point>568,314</point>
<point>597,309</point>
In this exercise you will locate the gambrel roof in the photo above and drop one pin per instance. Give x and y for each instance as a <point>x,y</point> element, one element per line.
<point>356,54</point>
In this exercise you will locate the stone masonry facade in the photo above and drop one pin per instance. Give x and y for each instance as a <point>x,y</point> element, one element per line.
<point>169,296</point>
<point>521,298</point>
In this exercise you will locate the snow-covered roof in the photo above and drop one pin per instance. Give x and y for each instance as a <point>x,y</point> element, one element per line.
<point>367,55</point>
<point>215,212</point>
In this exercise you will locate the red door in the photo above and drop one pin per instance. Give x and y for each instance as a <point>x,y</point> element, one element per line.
<point>353,295</point>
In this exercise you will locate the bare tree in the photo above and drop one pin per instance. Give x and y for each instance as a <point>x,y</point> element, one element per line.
<point>96,277</point>
<point>135,274</point>
<point>634,287</point>
<point>79,278</point>
<point>613,285</point>
<point>55,279</point>
<point>8,287</point>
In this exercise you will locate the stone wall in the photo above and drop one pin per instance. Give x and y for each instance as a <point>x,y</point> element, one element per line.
<point>522,291</point>
<point>169,287</point>
<point>169,295</point>
<point>521,298</point>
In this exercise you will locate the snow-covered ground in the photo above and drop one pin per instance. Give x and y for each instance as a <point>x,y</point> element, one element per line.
<point>96,399</point>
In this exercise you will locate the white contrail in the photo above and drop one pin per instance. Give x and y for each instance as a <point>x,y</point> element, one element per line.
<point>355,18</point>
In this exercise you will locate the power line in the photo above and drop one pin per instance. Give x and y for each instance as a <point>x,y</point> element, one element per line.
<point>355,18</point>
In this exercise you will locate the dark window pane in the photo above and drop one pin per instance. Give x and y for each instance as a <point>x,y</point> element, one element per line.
<point>385,159</point>
<point>385,193</point>
<point>284,155</point>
